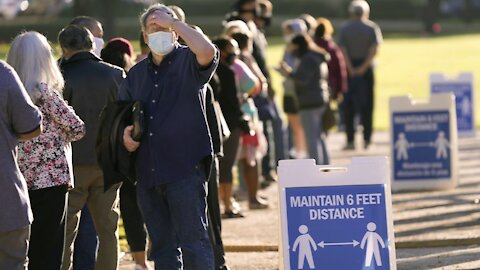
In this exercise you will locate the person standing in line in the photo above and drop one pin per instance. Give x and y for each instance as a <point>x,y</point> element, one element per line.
<point>359,40</point>
<point>175,156</point>
<point>311,86</point>
<point>89,84</point>
<point>44,161</point>
<point>95,27</point>
<point>119,52</point>
<point>229,98</point>
<point>20,120</point>
<point>267,108</point>
<point>86,242</point>
<point>337,69</point>
<point>251,81</point>
<point>291,28</point>
<point>214,119</point>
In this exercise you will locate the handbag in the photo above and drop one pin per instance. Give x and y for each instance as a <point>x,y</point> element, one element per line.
<point>329,117</point>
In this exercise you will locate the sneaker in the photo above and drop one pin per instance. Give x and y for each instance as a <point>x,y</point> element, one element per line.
<point>349,146</point>
<point>232,214</point>
<point>235,205</point>
<point>259,203</point>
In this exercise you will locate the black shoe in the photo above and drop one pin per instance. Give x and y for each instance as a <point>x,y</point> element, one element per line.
<point>349,146</point>
<point>232,214</point>
<point>366,145</point>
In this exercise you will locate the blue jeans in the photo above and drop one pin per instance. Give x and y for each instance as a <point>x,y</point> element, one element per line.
<point>176,220</point>
<point>312,124</point>
<point>86,243</point>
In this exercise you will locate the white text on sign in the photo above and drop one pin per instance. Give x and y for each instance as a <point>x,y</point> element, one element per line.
<point>336,206</point>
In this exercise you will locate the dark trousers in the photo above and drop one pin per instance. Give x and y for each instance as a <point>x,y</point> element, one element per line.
<point>215,218</point>
<point>132,218</point>
<point>175,214</point>
<point>86,243</point>
<point>359,101</point>
<point>276,141</point>
<point>49,207</point>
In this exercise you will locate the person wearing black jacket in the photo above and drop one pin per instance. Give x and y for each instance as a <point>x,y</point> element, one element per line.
<point>229,99</point>
<point>311,87</point>
<point>89,84</point>
<point>214,113</point>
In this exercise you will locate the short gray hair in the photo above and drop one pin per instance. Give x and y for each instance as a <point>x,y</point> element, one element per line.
<point>359,8</point>
<point>152,9</point>
<point>31,56</point>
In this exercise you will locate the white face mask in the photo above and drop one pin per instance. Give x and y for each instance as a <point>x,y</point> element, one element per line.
<point>98,46</point>
<point>161,42</point>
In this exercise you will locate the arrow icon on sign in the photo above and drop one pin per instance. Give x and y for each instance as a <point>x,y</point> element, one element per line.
<point>354,243</point>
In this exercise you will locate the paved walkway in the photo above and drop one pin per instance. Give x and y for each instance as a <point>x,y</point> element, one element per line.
<point>433,229</point>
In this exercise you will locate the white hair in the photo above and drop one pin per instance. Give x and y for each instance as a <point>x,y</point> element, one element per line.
<point>152,9</point>
<point>359,8</point>
<point>31,56</point>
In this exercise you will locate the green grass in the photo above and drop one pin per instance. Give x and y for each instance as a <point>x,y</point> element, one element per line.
<point>403,66</point>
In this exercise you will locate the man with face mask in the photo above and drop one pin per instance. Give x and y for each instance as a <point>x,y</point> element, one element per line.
<point>174,155</point>
<point>86,242</point>
<point>95,27</point>
<point>89,84</point>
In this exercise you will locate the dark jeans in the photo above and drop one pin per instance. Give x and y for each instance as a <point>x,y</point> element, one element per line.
<point>359,101</point>
<point>215,218</point>
<point>49,207</point>
<point>312,124</point>
<point>86,243</point>
<point>176,218</point>
<point>132,218</point>
<point>276,140</point>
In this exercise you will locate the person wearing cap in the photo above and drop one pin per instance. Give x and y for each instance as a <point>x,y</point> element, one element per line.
<point>174,156</point>
<point>359,40</point>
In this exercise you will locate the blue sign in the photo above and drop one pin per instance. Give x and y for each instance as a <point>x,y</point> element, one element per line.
<point>339,227</point>
<point>463,100</point>
<point>421,145</point>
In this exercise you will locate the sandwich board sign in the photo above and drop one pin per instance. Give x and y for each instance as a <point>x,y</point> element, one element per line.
<point>424,143</point>
<point>336,217</point>
<point>462,88</point>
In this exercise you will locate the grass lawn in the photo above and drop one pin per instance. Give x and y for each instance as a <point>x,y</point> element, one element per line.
<point>403,66</point>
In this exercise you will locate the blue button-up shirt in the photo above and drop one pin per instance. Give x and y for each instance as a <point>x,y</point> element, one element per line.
<point>176,138</point>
